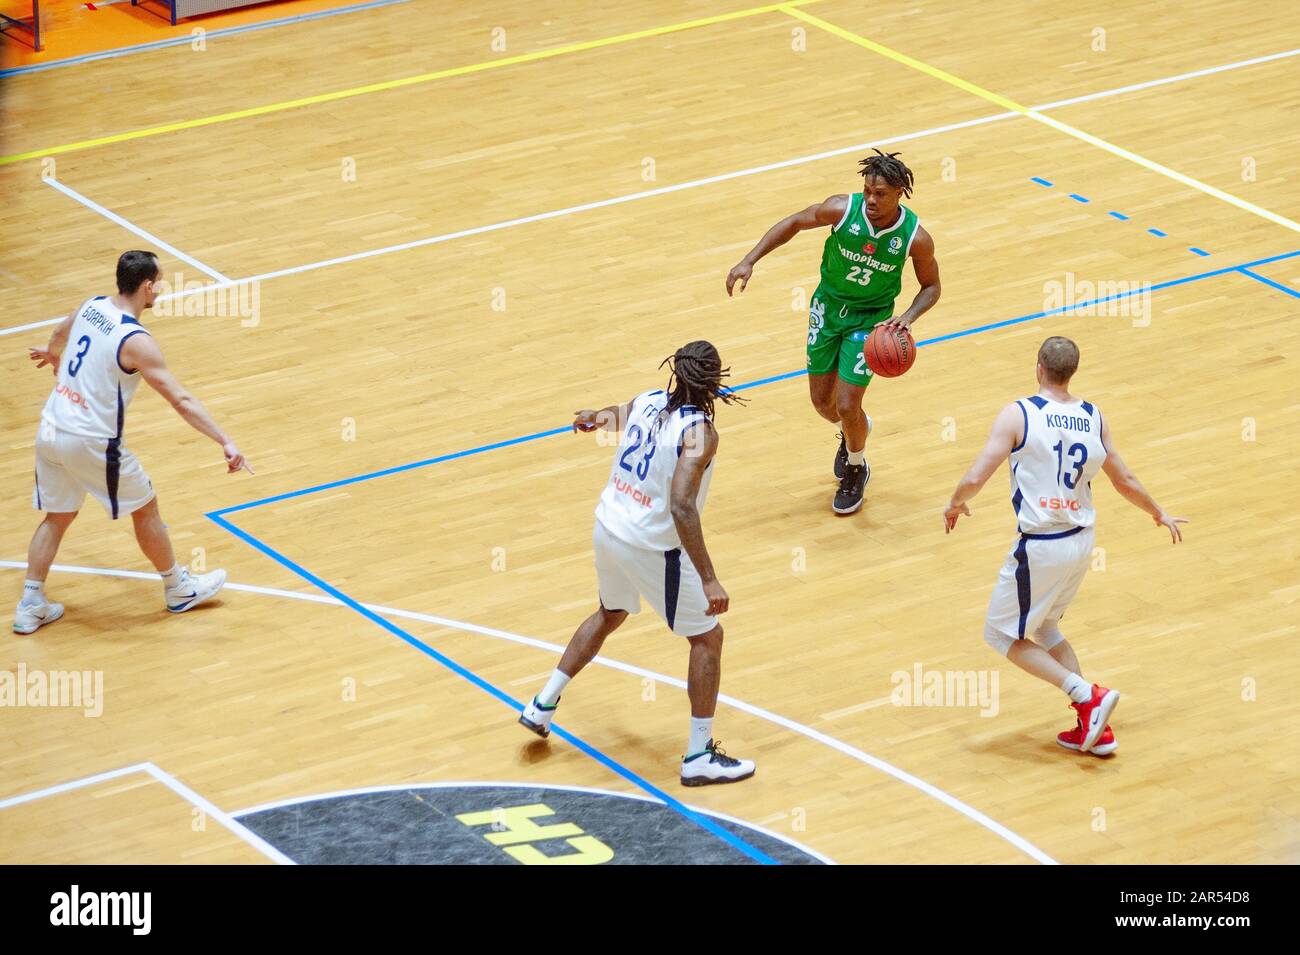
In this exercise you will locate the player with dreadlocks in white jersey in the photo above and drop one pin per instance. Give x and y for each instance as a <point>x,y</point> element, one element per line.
<point>649,543</point>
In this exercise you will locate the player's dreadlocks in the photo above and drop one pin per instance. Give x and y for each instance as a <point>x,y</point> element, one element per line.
<point>889,168</point>
<point>696,379</point>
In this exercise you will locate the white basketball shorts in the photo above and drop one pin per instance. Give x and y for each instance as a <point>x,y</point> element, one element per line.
<point>70,465</point>
<point>667,580</point>
<point>1038,580</point>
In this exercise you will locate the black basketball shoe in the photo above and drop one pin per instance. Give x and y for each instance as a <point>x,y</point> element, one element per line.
<point>849,497</point>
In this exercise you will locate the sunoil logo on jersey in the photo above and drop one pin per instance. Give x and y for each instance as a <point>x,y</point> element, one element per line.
<point>1057,504</point>
<point>504,824</point>
<point>75,397</point>
<point>635,493</point>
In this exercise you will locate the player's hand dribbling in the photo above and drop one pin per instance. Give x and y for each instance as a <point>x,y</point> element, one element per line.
<point>898,323</point>
<point>1171,522</point>
<point>739,273</point>
<point>950,515</point>
<point>234,458</point>
<point>717,597</point>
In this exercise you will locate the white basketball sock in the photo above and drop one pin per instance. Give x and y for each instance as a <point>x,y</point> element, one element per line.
<point>1077,688</point>
<point>701,733</point>
<point>554,687</point>
<point>858,458</point>
<point>33,593</point>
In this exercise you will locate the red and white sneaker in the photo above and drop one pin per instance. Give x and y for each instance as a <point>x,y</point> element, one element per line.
<point>1073,739</point>
<point>1095,714</point>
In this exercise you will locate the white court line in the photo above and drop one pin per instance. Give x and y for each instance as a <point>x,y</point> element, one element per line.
<point>541,216</point>
<point>639,797</point>
<point>1168,79</point>
<point>632,197</point>
<point>70,786</point>
<point>131,227</point>
<point>234,825</point>
<point>687,185</point>
<point>172,783</point>
<point>852,752</point>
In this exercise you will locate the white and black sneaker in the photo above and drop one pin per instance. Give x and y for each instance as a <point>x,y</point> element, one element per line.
<point>714,766</point>
<point>538,718</point>
<point>842,455</point>
<point>193,589</point>
<point>849,497</point>
<point>29,619</point>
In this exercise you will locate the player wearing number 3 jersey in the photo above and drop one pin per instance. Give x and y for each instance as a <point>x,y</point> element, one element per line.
<point>99,354</point>
<point>870,240</point>
<point>1055,445</point>
<point>649,544</point>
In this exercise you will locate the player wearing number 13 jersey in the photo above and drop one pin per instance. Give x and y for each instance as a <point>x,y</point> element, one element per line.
<point>870,240</point>
<point>1055,445</point>
<point>649,544</point>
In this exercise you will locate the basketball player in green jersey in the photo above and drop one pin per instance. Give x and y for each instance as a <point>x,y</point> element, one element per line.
<point>872,236</point>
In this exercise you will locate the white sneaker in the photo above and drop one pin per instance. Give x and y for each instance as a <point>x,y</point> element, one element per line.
<point>29,619</point>
<point>538,718</point>
<point>714,766</point>
<point>192,589</point>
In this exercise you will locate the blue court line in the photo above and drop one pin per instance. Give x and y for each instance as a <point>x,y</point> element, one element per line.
<point>189,38</point>
<point>1122,217</point>
<point>736,842</point>
<point>1040,180</point>
<point>401,467</point>
<point>288,495</point>
<point>1267,281</point>
<point>758,855</point>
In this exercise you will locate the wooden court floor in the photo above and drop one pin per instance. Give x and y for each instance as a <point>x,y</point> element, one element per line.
<point>533,204</point>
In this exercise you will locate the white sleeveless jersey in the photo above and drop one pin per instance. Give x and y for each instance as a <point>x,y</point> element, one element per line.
<point>635,505</point>
<point>1053,467</point>
<point>93,388</point>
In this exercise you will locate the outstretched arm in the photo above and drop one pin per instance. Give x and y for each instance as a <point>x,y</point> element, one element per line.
<point>926,267</point>
<point>1131,489</point>
<point>52,353</point>
<point>142,353</point>
<point>824,213</point>
<point>699,445</point>
<point>1008,431</point>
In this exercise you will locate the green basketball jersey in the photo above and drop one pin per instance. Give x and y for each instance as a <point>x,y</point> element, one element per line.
<point>864,266</point>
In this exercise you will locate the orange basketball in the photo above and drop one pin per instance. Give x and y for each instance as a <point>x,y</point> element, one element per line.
<point>889,351</point>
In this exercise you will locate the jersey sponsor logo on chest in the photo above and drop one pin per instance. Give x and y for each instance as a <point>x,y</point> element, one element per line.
<point>635,493</point>
<point>74,396</point>
<point>868,259</point>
